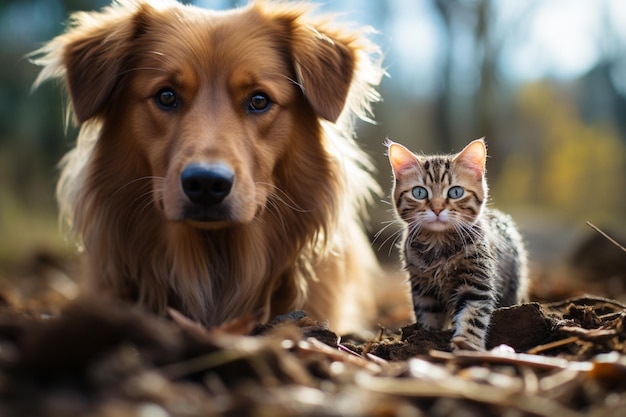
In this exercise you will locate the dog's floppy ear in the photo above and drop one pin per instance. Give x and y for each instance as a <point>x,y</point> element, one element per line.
<point>324,65</point>
<point>324,57</point>
<point>90,55</point>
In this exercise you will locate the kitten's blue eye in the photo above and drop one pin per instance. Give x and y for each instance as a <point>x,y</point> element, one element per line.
<point>456,192</point>
<point>420,192</point>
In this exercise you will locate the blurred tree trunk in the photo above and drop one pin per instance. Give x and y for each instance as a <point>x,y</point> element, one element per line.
<point>486,107</point>
<point>481,113</point>
<point>443,104</point>
<point>471,19</point>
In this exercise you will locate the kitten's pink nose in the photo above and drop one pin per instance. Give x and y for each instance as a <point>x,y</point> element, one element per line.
<point>437,211</point>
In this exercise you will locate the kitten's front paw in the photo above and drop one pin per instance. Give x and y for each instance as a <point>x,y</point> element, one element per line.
<point>463,343</point>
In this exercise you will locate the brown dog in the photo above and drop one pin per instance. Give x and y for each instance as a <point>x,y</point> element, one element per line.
<point>215,169</point>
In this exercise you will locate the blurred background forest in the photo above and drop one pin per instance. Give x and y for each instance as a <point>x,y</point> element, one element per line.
<point>543,80</point>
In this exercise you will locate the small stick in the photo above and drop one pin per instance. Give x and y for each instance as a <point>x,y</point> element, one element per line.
<point>519,359</point>
<point>613,241</point>
<point>552,345</point>
<point>348,350</point>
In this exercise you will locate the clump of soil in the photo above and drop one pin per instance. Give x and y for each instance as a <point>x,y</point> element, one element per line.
<point>413,340</point>
<point>521,327</point>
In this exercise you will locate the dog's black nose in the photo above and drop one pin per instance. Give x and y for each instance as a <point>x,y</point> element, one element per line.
<point>207,184</point>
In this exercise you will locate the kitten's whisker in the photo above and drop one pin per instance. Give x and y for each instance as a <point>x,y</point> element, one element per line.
<point>395,242</point>
<point>414,229</point>
<point>391,236</point>
<point>385,227</point>
<point>468,234</point>
<point>395,236</point>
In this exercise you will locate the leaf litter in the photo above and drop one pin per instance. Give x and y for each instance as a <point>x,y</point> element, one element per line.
<point>106,358</point>
<point>61,355</point>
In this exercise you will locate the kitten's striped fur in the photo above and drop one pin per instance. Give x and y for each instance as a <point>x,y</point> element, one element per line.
<point>464,259</point>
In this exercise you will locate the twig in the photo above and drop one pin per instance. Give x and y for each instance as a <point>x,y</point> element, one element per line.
<point>458,388</point>
<point>202,363</point>
<point>585,300</point>
<point>517,359</point>
<point>613,241</point>
<point>314,345</point>
<point>552,345</point>
<point>590,335</point>
<point>348,350</point>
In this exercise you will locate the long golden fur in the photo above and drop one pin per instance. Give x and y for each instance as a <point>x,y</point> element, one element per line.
<point>267,91</point>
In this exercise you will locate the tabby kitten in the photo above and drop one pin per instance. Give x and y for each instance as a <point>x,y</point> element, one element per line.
<point>464,259</point>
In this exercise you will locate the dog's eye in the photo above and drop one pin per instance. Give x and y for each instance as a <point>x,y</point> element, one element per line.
<point>259,102</point>
<point>166,98</point>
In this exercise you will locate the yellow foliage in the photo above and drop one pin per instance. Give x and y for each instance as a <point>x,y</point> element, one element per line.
<point>566,165</point>
<point>516,181</point>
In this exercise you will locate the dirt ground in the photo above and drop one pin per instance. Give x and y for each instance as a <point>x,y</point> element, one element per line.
<point>62,355</point>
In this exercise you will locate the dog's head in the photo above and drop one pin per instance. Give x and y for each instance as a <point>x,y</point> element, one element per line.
<point>208,104</point>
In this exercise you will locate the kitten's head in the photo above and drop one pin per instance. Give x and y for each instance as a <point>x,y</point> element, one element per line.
<point>439,193</point>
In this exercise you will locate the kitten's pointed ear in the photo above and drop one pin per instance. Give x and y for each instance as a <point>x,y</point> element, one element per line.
<point>474,157</point>
<point>399,156</point>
